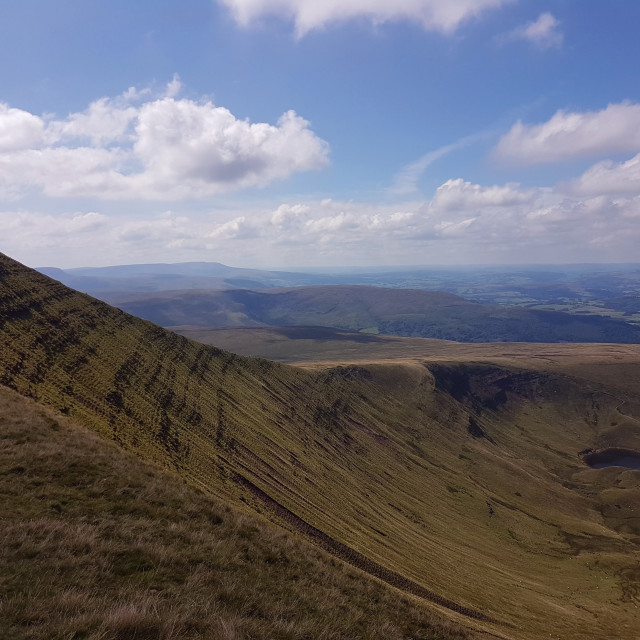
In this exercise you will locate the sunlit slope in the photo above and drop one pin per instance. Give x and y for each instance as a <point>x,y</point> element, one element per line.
<point>98,544</point>
<point>462,478</point>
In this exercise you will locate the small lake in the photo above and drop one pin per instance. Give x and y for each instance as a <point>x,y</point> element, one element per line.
<point>613,458</point>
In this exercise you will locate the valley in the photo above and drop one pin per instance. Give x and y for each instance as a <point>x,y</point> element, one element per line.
<point>373,310</point>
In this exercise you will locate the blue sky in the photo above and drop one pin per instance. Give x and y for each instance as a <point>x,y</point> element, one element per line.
<point>284,133</point>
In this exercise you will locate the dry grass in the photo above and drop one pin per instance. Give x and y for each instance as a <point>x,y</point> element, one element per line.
<point>96,544</point>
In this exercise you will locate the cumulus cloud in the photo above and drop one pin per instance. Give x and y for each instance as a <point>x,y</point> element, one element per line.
<point>567,135</point>
<point>174,87</point>
<point>19,129</point>
<point>543,33</point>
<point>610,178</point>
<point>105,121</point>
<point>343,222</point>
<point>460,195</point>
<point>435,15</point>
<point>137,147</point>
<point>198,146</point>
<point>287,215</point>
<point>240,227</point>
<point>462,222</point>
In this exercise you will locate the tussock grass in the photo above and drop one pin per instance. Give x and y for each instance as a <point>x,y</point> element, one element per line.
<point>96,544</point>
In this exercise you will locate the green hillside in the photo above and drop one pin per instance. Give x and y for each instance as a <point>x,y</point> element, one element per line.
<point>457,481</point>
<point>99,544</point>
<point>403,312</point>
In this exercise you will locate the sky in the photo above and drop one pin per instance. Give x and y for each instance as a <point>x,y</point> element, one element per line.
<point>299,133</point>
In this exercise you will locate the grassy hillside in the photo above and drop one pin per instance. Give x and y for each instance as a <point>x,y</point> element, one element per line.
<point>404,312</point>
<point>98,544</point>
<point>456,480</point>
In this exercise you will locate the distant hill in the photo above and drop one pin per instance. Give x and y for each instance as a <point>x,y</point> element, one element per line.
<point>606,290</point>
<point>402,312</point>
<point>163,277</point>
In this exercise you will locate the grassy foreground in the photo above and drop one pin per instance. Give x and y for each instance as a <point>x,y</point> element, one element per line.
<point>96,544</point>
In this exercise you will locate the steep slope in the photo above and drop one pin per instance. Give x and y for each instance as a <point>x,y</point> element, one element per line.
<point>403,312</point>
<point>459,482</point>
<point>97,544</point>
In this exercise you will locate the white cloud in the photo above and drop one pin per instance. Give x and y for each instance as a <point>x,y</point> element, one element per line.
<point>164,148</point>
<point>460,195</point>
<point>64,171</point>
<point>174,87</point>
<point>19,129</point>
<point>84,222</point>
<point>436,15</point>
<point>195,149</point>
<point>447,228</point>
<point>239,227</point>
<point>567,135</point>
<point>406,181</point>
<point>103,122</point>
<point>286,215</point>
<point>610,177</point>
<point>462,223</point>
<point>543,33</point>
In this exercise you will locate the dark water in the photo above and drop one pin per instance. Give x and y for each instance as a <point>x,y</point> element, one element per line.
<point>614,458</point>
<point>630,462</point>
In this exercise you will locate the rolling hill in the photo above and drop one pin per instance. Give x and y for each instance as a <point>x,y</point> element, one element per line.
<point>403,312</point>
<point>455,479</point>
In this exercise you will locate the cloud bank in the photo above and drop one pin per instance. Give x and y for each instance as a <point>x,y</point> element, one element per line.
<point>462,223</point>
<point>433,15</point>
<point>134,147</point>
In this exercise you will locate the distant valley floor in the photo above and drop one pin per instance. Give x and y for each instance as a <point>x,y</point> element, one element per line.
<point>320,346</point>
